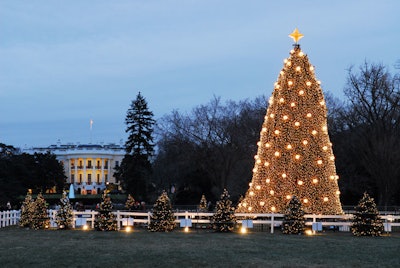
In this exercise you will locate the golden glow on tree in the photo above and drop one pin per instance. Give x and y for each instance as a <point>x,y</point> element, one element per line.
<point>294,155</point>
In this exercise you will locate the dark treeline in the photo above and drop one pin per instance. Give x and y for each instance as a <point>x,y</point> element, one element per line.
<point>210,149</point>
<point>365,132</point>
<point>20,172</point>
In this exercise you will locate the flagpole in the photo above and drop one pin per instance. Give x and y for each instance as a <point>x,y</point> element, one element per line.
<point>91,128</point>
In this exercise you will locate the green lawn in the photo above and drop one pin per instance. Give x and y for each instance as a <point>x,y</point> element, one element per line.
<point>76,248</point>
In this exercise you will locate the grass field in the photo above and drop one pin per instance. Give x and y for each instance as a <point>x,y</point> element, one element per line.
<point>50,248</point>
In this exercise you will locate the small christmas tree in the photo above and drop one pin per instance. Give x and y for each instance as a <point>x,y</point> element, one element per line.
<point>64,215</point>
<point>366,221</point>
<point>162,218</point>
<point>130,203</point>
<point>224,219</point>
<point>293,221</point>
<point>40,217</point>
<point>27,209</point>
<point>105,220</point>
<point>203,204</point>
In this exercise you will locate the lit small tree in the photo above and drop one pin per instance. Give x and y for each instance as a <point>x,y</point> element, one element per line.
<point>130,202</point>
<point>162,218</point>
<point>293,220</point>
<point>224,219</point>
<point>105,220</point>
<point>366,221</point>
<point>40,217</point>
<point>203,204</point>
<point>27,208</point>
<point>64,215</point>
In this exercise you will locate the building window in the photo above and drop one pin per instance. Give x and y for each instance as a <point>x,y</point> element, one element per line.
<point>72,178</point>
<point>116,163</point>
<point>89,162</point>
<point>80,179</point>
<point>80,164</point>
<point>98,178</point>
<point>106,177</point>
<point>106,164</point>
<point>89,178</point>
<point>98,164</point>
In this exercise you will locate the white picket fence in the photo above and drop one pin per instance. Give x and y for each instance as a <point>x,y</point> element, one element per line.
<point>9,217</point>
<point>202,220</point>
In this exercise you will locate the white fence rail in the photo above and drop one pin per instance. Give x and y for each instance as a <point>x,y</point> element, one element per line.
<point>202,220</point>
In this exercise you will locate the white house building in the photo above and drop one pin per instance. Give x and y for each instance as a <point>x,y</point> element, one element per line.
<point>89,167</point>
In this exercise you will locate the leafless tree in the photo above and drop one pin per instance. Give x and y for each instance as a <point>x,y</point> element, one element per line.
<point>211,148</point>
<point>372,124</point>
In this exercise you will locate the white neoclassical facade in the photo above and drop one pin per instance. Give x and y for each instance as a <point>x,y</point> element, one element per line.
<point>89,167</point>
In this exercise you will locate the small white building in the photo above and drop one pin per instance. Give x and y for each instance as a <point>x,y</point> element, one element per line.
<point>89,167</point>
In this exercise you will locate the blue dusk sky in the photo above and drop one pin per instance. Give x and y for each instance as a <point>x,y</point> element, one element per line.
<point>63,63</point>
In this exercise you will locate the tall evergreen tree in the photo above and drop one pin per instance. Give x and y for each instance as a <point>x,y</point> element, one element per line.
<point>139,121</point>
<point>366,221</point>
<point>135,169</point>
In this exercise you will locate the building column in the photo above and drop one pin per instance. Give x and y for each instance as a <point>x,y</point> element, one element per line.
<point>69,169</point>
<point>76,171</point>
<point>108,169</point>
<point>94,179</point>
<point>102,180</point>
<point>84,171</point>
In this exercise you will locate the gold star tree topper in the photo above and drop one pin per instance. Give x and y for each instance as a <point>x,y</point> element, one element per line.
<point>296,35</point>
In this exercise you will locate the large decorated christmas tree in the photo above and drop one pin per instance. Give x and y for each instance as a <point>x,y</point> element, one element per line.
<point>294,155</point>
